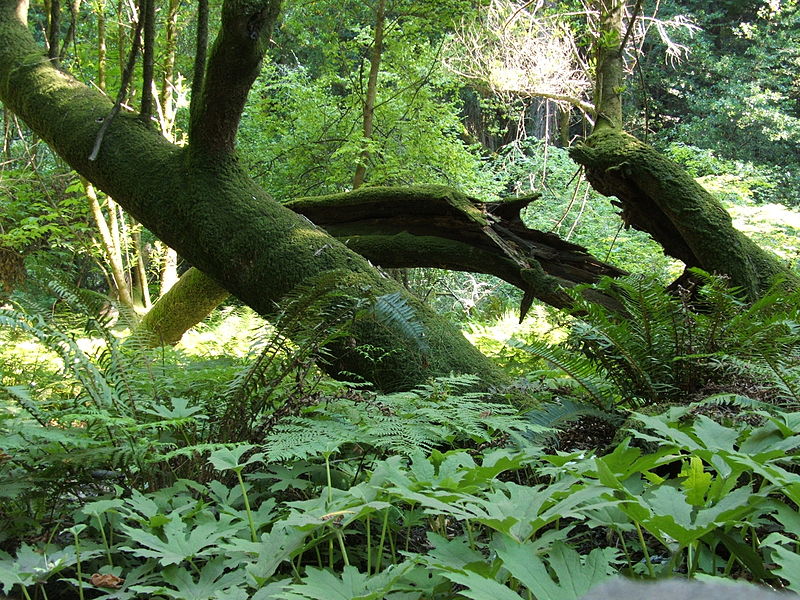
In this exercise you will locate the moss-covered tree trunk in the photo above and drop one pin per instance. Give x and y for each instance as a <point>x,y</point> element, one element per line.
<point>200,200</point>
<point>658,197</point>
<point>422,226</point>
<point>609,69</point>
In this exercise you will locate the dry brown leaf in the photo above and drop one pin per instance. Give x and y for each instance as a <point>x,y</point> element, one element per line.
<point>106,581</point>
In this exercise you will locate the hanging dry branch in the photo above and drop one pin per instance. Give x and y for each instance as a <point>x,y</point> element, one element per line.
<point>516,52</point>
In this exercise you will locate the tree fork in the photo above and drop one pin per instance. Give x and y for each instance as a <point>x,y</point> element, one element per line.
<point>200,201</point>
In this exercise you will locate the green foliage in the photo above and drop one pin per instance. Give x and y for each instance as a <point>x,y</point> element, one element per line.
<point>667,347</point>
<point>416,527</point>
<point>259,478</point>
<point>720,103</point>
<point>128,414</point>
<point>303,134</point>
<point>404,423</point>
<point>376,496</point>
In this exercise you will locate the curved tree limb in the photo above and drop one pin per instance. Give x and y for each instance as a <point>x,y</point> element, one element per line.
<point>422,226</point>
<point>658,197</point>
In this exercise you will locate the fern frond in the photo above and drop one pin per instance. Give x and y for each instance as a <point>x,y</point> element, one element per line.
<point>578,367</point>
<point>736,400</point>
<point>75,361</point>
<point>303,437</point>
<point>393,310</point>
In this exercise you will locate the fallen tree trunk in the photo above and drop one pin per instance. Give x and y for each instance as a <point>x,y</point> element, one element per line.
<point>426,226</point>
<point>658,197</point>
<point>436,226</point>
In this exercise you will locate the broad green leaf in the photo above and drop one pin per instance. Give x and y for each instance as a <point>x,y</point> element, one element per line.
<point>180,410</point>
<point>675,517</point>
<point>696,483</point>
<point>494,463</point>
<point>606,475</point>
<point>575,576</point>
<point>213,583</point>
<point>789,567</point>
<point>32,566</point>
<point>141,504</point>
<point>665,433</point>
<point>786,516</point>
<point>713,435</point>
<point>453,555</point>
<point>482,588</point>
<point>10,576</point>
<point>768,437</point>
<point>273,549</point>
<point>99,507</point>
<point>271,591</point>
<point>788,561</point>
<point>320,584</point>
<point>180,541</point>
<point>230,458</point>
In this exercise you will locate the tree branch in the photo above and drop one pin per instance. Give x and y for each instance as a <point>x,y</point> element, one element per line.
<point>200,57</point>
<point>658,197</point>
<point>233,65</point>
<point>436,226</point>
<point>127,75</point>
<point>147,13</point>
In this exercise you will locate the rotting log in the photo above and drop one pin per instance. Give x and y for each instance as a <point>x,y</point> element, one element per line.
<point>437,226</point>
<point>423,226</point>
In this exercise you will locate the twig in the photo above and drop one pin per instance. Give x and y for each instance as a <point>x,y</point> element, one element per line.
<point>127,75</point>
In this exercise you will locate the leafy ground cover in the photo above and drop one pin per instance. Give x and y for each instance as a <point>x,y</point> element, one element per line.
<point>132,473</point>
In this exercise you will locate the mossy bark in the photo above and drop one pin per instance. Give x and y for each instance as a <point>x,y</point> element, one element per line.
<point>193,297</point>
<point>201,201</point>
<point>609,68</point>
<point>429,226</point>
<point>437,226</point>
<point>658,197</point>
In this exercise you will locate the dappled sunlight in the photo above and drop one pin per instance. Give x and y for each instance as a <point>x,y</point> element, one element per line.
<point>773,226</point>
<point>490,336</point>
<point>227,332</point>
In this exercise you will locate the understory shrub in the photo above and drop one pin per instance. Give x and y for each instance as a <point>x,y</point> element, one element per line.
<point>665,347</point>
<point>708,501</point>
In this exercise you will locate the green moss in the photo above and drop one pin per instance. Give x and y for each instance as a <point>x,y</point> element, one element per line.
<point>539,282</point>
<point>391,201</point>
<point>659,197</point>
<point>193,297</point>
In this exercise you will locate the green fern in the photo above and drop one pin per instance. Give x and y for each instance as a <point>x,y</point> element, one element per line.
<point>665,347</point>
<point>281,367</point>
<point>735,400</point>
<point>582,370</point>
<point>393,310</point>
<point>401,423</point>
<point>554,416</point>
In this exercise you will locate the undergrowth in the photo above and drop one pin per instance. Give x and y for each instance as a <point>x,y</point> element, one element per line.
<point>137,473</point>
